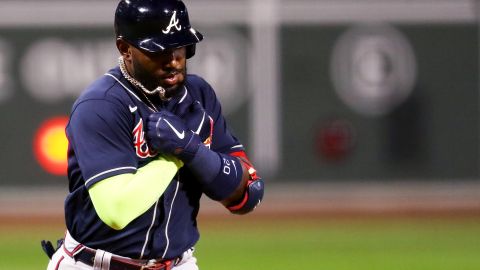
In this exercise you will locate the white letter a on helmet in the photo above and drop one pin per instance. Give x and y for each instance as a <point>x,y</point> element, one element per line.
<point>173,23</point>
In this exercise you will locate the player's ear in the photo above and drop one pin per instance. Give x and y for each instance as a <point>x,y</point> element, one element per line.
<point>124,48</point>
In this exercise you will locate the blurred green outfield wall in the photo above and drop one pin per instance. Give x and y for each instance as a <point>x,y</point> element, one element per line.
<point>432,134</point>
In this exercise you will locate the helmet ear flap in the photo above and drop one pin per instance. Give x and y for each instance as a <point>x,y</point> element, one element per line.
<point>190,50</point>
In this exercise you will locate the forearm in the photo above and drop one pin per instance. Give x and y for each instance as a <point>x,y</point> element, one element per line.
<point>120,199</point>
<point>221,176</point>
<point>239,192</point>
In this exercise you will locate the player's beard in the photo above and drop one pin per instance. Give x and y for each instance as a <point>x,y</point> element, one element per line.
<point>149,81</point>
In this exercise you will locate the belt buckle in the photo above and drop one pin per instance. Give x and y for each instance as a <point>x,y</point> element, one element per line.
<point>156,266</point>
<point>152,267</point>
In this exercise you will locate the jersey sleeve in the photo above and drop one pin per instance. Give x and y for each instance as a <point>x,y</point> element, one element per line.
<point>99,133</point>
<point>223,140</point>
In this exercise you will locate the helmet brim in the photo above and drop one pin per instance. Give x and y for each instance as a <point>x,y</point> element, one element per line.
<point>175,40</point>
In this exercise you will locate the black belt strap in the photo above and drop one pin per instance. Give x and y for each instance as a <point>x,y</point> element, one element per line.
<point>87,256</point>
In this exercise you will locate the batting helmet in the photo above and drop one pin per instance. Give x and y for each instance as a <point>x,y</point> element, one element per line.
<point>156,25</point>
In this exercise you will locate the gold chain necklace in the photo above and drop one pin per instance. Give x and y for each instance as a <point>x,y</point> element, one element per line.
<point>160,90</point>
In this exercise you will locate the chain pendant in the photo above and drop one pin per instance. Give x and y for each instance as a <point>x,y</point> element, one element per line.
<point>162,93</point>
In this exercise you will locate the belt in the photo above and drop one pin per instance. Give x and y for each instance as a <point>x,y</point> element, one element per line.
<point>87,256</point>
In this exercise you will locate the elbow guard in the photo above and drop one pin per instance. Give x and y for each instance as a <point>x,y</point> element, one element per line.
<point>251,199</point>
<point>254,191</point>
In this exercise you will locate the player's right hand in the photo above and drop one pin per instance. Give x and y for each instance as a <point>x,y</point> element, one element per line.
<point>167,133</point>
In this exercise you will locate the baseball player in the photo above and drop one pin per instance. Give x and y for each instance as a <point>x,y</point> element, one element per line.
<point>146,140</point>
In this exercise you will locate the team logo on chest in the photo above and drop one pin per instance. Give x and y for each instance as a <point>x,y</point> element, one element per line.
<point>173,23</point>
<point>141,147</point>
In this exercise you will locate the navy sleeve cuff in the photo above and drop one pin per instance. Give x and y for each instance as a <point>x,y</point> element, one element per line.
<point>108,173</point>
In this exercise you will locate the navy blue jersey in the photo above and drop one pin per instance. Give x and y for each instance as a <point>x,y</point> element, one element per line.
<point>106,138</point>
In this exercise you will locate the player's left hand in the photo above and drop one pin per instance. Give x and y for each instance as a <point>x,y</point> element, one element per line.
<point>169,134</point>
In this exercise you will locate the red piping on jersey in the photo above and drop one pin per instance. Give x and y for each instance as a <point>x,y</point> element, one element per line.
<point>58,263</point>
<point>77,248</point>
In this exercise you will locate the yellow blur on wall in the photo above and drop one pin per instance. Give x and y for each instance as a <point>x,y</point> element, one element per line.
<point>51,144</point>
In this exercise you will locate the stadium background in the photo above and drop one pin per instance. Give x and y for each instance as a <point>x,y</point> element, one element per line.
<point>363,117</point>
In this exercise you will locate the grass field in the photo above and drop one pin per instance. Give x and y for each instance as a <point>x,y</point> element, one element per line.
<point>272,243</point>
